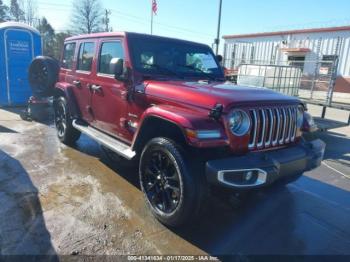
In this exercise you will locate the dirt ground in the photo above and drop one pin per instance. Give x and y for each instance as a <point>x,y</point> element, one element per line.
<point>60,200</point>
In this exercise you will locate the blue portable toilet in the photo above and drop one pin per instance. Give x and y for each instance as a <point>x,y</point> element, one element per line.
<point>19,45</point>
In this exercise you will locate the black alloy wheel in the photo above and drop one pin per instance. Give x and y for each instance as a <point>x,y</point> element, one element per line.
<point>172,188</point>
<point>161,182</point>
<point>60,119</point>
<point>66,133</point>
<point>43,75</point>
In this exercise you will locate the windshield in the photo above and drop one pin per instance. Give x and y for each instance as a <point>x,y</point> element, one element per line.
<point>180,59</point>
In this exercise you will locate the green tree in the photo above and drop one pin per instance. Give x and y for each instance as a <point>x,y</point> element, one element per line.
<point>16,12</point>
<point>52,42</point>
<point>3,12</point>
<point>48,36</point>
<point>59,43</point>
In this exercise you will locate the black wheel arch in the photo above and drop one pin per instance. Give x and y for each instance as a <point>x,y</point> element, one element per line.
<point>71,99</point>
<point>154,126</point>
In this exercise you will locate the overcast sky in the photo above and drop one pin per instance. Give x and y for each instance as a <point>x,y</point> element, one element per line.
<point>197,19</point>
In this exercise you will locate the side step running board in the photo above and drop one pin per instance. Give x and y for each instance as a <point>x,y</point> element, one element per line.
<point>111,143</point>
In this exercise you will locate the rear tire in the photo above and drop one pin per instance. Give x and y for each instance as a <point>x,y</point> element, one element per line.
<point>171,190</point>
<point>66,133</point>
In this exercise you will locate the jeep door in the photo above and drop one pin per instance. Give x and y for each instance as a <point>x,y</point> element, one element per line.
<point>109,98</point>
<point>83,77</point>
<point>68,75</point>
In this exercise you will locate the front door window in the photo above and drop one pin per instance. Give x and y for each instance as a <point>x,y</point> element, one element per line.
<point>109,51</point>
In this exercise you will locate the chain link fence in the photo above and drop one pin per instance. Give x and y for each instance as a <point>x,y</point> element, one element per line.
<point>310,80</point>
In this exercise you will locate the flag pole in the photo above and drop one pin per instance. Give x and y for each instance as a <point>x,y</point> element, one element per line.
<point>152,17</point>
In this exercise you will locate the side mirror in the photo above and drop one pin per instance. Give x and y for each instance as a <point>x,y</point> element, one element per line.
<point>116,66</point>
<point>219,58</point>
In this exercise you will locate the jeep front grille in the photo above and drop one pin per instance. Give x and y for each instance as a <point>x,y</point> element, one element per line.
<point>271,127</point>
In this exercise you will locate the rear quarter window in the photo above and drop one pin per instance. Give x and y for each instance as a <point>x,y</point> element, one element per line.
<point>68,55</point>
<point>86,56</point>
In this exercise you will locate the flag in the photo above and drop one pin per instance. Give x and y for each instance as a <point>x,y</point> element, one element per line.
<point>154,6</point>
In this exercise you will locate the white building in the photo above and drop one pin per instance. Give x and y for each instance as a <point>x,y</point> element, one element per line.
<point>321,51</point>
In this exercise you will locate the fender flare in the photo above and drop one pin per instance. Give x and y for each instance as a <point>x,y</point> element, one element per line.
<point>171,114</point>
<point>159,113</point>
<point>181,118</point>
<point>67,91</point>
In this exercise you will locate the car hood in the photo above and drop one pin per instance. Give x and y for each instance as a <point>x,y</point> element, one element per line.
<point>207,95</point>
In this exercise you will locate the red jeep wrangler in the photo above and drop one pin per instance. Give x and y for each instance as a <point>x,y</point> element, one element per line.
<point>164,103</point>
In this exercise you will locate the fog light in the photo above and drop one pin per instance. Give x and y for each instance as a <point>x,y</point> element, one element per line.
<point>248,176</point>
<point>243,177</point>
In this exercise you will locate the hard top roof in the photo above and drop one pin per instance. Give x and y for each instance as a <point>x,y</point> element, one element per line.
<point>123,34</point>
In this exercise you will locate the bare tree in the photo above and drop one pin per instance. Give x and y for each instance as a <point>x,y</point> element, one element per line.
<point>106,21</point>
<point>30,15</point>
<point>87,17</point>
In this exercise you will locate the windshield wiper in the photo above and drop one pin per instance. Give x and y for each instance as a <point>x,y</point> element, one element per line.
<point>203,73</point>
<point>164,70</point>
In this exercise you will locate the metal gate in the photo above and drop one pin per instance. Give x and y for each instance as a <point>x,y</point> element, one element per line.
<point>307,79</point>
<point>284,79</point>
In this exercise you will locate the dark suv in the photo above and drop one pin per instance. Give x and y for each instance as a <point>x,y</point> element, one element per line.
<point>163,103</point>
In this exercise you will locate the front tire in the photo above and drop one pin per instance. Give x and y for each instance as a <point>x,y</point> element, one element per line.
<point>66,133</point>
<point>172,192</point>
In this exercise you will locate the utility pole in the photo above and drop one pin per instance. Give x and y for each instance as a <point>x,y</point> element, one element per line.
<point>217,40</point>
<point>106,19</point>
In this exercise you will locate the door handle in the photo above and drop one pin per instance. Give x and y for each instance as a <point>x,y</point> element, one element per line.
<point>77,83</point>
<point>96,88</point>
<point>124,95</point>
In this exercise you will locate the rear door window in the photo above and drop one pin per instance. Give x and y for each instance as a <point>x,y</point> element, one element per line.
<point>86,56</point>
<point>109,50</point>
<point>68,56</point>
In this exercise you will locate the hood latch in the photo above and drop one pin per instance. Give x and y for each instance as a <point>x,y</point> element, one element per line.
<point>216,112</point>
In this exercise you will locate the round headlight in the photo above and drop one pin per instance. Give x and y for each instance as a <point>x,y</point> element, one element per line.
<point>300,117</point>
<point>239,122</point>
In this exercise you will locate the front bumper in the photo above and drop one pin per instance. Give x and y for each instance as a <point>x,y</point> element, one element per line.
<point>264,168</point>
